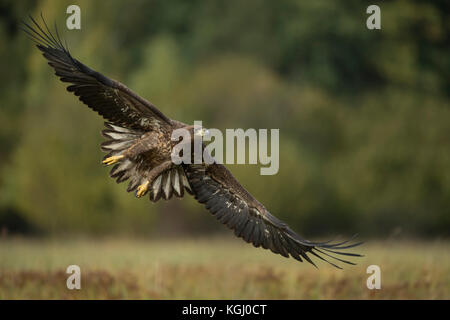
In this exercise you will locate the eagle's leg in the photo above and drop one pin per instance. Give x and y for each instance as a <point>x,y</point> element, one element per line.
<point>142,189</point>
<point>113,159</point>
<point>141,145</point>
<point>152,175</point>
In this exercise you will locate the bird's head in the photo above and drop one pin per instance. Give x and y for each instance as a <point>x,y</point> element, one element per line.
<point>201,132</point>
<point>197,131</point>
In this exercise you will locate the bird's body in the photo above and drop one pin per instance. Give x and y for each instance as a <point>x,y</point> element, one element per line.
<point>145,159</point>
<point>139,145</point>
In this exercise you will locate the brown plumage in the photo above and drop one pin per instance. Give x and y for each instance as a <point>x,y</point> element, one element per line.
<point>139,144</point>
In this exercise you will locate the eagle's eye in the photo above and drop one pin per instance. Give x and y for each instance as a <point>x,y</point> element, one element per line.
<point>201,132</point>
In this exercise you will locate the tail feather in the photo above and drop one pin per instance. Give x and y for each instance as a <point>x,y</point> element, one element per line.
<point>171,182</point>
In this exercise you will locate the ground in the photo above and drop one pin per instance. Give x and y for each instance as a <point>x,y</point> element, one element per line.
<point>214,268</point>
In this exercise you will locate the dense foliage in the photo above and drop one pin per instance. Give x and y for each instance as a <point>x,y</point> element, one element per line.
<point>363,114</point>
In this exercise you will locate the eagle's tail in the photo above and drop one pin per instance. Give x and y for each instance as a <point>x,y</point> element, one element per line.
<point>119,140</point>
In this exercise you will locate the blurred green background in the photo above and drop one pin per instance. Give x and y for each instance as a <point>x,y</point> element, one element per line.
<point>364,116</point>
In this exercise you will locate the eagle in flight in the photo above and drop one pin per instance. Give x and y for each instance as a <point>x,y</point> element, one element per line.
<point>139,145</point>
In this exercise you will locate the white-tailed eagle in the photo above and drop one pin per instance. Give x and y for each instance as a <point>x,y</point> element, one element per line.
<point>139,146</point>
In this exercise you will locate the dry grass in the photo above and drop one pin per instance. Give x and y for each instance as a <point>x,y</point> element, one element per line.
<point>213,269</point>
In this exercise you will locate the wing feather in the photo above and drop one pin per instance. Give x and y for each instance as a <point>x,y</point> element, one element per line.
<point>232,205</point>
<point>111,99</point>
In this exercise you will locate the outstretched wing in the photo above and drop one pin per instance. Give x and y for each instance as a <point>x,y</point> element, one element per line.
<point>111,99</point>
<point>232,205</point>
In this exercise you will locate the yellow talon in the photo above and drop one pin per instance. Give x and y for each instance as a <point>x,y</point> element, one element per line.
<point>142,189</point>
<point>111,160</point>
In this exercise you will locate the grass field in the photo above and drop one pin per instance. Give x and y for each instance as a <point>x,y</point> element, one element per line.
<point>214,268</point>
